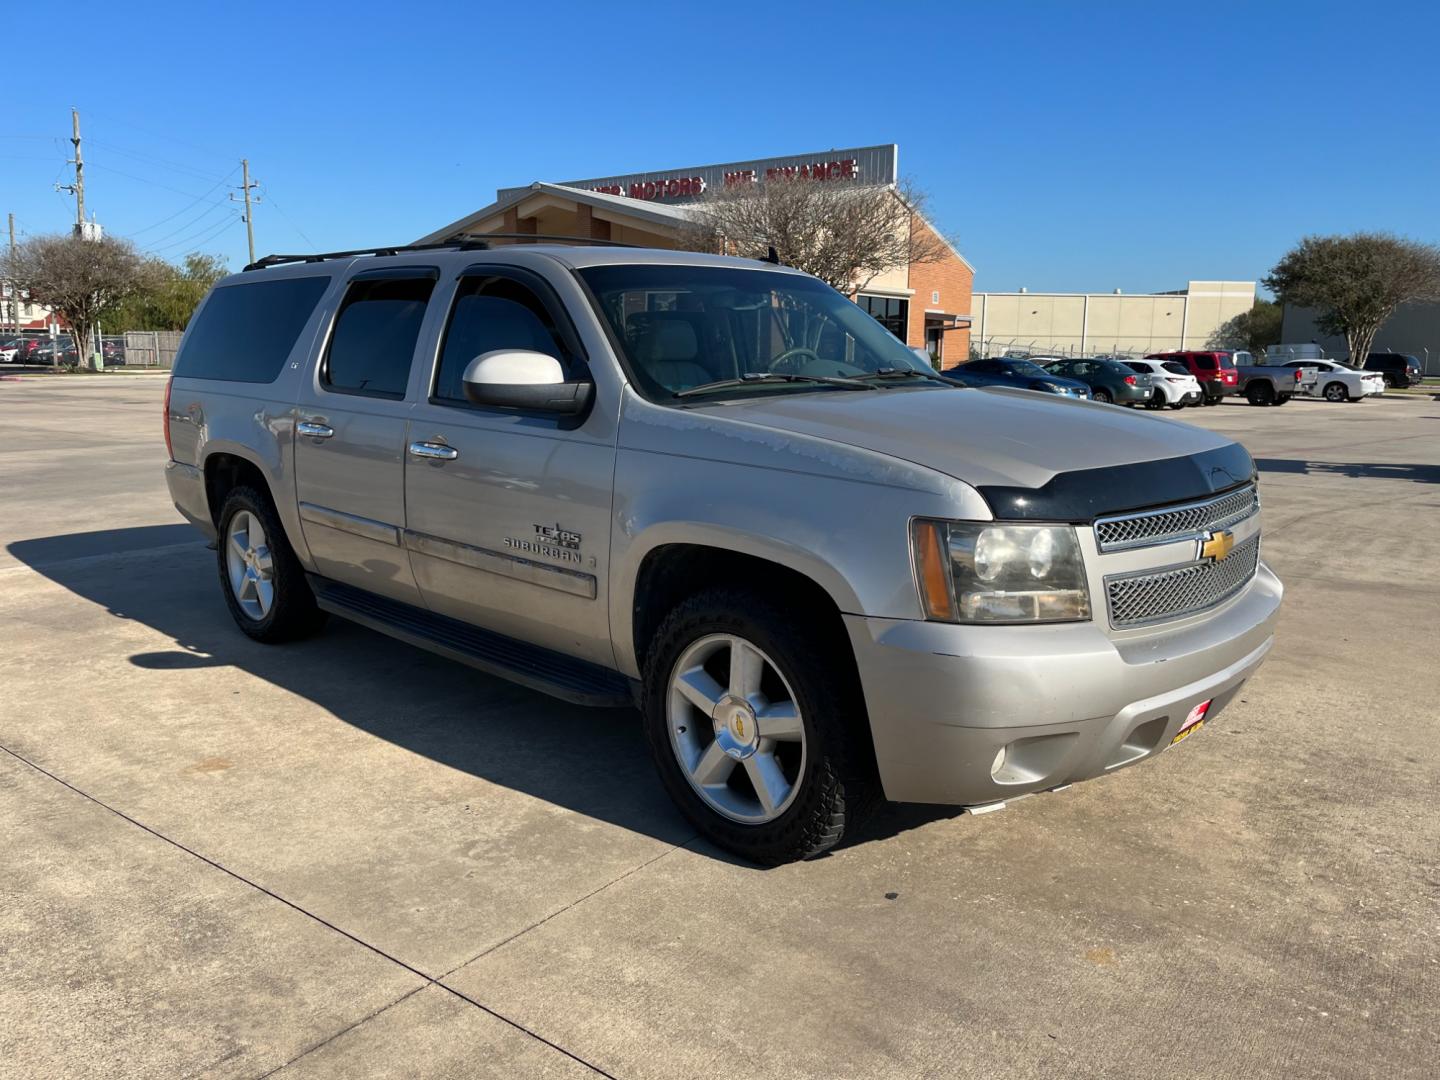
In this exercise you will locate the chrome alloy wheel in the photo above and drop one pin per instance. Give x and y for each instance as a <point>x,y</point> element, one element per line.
<point>736,729</point>
<point>250,565</point>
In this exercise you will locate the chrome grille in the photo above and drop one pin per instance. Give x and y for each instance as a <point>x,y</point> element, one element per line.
<point>1154,595</point>
<point>1172,523</point>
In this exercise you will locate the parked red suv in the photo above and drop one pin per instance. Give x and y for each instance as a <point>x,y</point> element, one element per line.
<point>1215,369</point>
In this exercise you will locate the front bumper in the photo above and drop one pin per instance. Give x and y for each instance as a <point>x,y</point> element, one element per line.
<point>1066,702</point>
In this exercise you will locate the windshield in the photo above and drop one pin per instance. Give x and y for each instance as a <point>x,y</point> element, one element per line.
<point>682,327</point>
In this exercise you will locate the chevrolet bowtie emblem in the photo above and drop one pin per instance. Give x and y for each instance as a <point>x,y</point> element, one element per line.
<point>1217,545</point>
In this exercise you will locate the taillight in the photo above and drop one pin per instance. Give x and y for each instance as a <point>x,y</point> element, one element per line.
<point>1129,380</point>
<point>169,450</point>
<point>1297,374</point>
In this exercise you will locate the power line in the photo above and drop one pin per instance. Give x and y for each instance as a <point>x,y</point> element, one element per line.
<point>145,180</point>
<point>188,206</point>
<point>189,225</point>
<point>173,166</point>
<point>196,241</point>
<point>287,217</point>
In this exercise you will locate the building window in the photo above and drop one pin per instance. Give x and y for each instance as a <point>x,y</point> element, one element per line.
<point>890,312</point>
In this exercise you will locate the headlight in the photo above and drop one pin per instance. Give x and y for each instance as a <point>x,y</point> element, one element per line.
<point>1049,388</point>
<point>984,572</point>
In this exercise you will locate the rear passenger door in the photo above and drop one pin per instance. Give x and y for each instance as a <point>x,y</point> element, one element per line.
<point>351,429</point>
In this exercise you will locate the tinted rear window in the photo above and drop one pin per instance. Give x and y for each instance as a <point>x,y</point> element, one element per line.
<point>1178,369</point>
<point>245,332</point>
<point>1226,361</point>
<point>1204,363</point>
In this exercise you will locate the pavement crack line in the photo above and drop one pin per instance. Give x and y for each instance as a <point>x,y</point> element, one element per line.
<point>561,910</point>
<point>347,1028</point>
<point>429,980</point>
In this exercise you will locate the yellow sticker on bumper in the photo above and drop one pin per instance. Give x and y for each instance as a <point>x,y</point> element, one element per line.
<point>1188,731</point>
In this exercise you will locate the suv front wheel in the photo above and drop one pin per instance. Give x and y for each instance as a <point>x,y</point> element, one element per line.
<point>759,742</point>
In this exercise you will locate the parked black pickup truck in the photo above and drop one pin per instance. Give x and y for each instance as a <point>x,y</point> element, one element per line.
<point>1273,385</point>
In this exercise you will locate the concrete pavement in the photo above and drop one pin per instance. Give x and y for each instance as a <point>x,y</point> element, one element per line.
<point>348,857</point>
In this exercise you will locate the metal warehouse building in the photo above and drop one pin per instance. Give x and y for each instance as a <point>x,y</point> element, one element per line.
<point>1089,324</point>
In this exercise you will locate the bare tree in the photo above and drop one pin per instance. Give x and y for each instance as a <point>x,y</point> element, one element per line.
<point>80,279</point>
<point>1356,282</point>
<point>844,233</point>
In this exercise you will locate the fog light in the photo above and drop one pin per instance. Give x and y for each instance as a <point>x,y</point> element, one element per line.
<point>999,762</point>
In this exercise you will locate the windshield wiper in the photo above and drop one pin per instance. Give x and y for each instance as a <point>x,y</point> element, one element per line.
<point>772,377</point>
<point>886,373</point>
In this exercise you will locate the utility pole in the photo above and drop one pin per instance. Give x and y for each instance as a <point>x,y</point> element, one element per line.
<point>78,187</point>
<point>14,289</point>
<point>245,186</point>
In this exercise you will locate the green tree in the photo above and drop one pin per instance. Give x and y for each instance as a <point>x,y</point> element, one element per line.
<point>1252,330</point>
<point>1356,282</point>
<point>83,280</point>
<point>171,294</point>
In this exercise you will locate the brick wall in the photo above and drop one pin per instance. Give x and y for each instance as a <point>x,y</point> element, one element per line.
<point>954,281</point>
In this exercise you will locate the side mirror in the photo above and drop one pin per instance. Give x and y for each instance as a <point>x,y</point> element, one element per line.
<point>521,379</point>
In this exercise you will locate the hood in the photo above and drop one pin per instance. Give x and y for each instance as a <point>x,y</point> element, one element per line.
<point>1015,441</point>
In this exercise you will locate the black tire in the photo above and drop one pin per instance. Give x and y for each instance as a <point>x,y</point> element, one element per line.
<point>1281,399</point>
<point>293,613</point>
<point>1156,400</point>
<point>1211,401</point>
<point>838,786</point>
<point>1335,391</point>
<point>1391,381</point>
<point>1102,395</point>
<point>1178,405</point>
<point>1260,393</point>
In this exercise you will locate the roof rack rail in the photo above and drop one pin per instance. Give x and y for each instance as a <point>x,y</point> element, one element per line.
<point>459,242</point>
<point>322,256</point>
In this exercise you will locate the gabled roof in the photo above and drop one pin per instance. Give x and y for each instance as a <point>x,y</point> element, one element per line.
<point>654,213</point>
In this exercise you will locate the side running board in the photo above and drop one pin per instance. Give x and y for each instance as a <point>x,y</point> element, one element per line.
<point>552,673</point>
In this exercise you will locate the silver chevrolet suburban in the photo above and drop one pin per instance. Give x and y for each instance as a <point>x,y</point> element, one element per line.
<point>717,489</point>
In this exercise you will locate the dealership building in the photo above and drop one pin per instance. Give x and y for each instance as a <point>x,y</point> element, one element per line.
<point>925,304</point>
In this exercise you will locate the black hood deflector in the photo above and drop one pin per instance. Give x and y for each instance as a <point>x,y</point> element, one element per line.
<point>1084,495</point>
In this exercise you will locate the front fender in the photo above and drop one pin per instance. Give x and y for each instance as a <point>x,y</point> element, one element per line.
<point>851,538</point>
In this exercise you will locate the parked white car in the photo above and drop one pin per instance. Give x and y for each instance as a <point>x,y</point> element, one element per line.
<point>1174,385</point>
<point>1340,383</point>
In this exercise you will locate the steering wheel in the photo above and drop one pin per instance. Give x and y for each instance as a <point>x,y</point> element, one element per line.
<point>788,358</point>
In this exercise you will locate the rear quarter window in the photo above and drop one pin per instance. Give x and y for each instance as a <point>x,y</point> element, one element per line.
<point>245,332</point>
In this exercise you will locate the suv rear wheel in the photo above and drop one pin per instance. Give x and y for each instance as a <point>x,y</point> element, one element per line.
<point>759,743</point>
<point>263,581</point>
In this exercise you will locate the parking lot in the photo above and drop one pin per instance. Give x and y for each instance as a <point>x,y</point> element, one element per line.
<point>348,857</point>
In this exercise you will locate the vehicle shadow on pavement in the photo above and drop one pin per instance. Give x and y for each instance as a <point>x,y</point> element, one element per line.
<point>591,761</point>
<point>1420,474</point>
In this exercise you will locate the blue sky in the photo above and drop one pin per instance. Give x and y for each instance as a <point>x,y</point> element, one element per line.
<point>1064,146</point>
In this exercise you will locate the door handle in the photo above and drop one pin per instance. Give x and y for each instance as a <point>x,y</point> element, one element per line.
<point>314,430</point>
<point>433,451</point>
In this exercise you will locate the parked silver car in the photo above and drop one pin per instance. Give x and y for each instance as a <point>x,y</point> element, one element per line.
<point>719,490</point>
